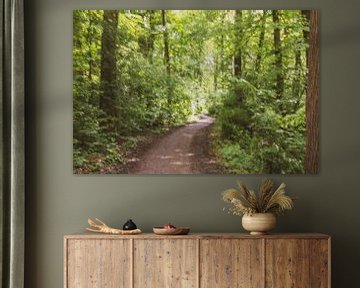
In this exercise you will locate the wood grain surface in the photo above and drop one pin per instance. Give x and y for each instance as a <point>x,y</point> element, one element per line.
<point>165,263</point>
<point>231,263</point>
<point>287,263</point>
<point>319,263</point>
<point>98,263</point>
<point>197,260</point>
<point>88,235</point>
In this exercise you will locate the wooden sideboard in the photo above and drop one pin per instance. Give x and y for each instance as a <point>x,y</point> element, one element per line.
<point>197,260</point>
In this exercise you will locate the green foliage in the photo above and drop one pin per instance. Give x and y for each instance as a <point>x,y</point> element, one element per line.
<point>257,132</point>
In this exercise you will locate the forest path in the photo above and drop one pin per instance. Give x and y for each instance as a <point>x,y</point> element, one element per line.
<point>183,151</point>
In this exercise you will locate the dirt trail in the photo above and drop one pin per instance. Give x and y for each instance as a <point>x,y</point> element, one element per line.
<point>184,151</point>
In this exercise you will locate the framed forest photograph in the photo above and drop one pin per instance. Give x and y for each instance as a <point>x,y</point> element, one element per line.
<point>196,91</point>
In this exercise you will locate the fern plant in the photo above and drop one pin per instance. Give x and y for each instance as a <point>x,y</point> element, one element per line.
<point>267,200</point>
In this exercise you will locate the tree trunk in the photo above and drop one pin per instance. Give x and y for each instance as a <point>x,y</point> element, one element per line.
<point>146,41</point>
<point>167,65</point>
<point>78,71</point>
<point>220,66</point>
<point>166,43</point>
<point>261,41</point>
<point>238,36</point>
<point>238,54</point>
<point>89,42</point>
<point>312,100</point>
<point>108,67</point>
<point>306,33</point>
<point>152,32</point>
<point>216,71</point>
<point>296,87</point>
<point>278,55</point>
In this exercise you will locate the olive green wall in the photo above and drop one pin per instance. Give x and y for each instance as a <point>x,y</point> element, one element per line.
<point>59,202</point>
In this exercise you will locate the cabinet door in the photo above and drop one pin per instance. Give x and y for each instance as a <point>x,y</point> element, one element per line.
<point>320,263</point>
<point>98,263</point>
<point>165,263</point>
<point>287,263</point>
<point>297,263</point>
<point>231,263</point>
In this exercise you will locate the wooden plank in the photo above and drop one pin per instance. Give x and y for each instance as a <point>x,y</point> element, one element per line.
<point>132,262</point>
<point>165,263</point>
<point>231,263</point>
<point>198,263</point>
<point>98,263</point>
<point>65,262</point>
<point>287,263</point>
<point>263,252</point>
<point>319,263</point>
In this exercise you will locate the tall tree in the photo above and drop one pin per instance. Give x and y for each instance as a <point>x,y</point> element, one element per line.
<point>238,55</point>
<point>167,63</point>
<point>216,71</point>
<point>219,66</point>
<point>90,44</point>
<point>238,46</point>
<point>147,39</point>
<point>306,33</point>
<point>297,87</point>
<point>166,43</point>
<point>78,46</point>
<point>297,90</point>
<point>108,67</point>
<point>261,41</point>
<point>312,101</point>
<point>151,39</point>
<point>278,54</point>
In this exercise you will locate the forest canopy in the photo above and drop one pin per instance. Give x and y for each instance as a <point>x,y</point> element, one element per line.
<point>140,73</point>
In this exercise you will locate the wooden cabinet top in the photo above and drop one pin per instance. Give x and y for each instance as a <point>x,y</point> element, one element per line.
<point>199,236</point>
